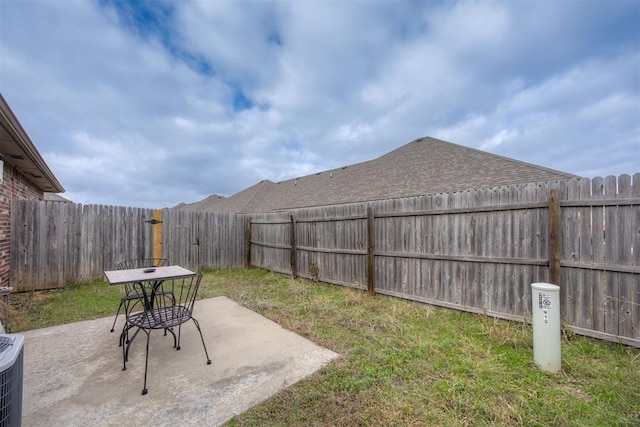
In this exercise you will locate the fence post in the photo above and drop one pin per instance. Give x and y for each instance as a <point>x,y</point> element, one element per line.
<point>157,233</point>
<point>370,243</point>
<point>294,249</point>
<point>554,236</point>
<point>247,243</point>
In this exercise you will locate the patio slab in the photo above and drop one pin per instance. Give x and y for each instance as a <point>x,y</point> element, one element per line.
<point>73,373</point>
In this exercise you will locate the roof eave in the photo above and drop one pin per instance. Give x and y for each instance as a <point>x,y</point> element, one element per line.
<point>20,152</point>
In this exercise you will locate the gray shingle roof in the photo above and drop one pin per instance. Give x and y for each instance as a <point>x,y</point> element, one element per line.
<point>424,166</point>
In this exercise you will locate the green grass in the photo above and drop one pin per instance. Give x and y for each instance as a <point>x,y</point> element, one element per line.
<point>401,364</point>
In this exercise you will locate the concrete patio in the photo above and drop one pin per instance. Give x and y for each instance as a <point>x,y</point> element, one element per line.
<point>73,373</point>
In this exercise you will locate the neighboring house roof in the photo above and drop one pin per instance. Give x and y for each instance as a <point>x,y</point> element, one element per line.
<point>18,151</point>
<point>53,197</point>
<point>424,166</point>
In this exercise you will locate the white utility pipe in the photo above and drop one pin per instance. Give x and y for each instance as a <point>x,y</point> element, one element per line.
<point>546,326</point>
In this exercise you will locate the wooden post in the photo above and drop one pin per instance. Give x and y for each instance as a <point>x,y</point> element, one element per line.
<point>247,244</point>
<point>157,233</point>
<point>554,237</point>
<point>370,244</point>
<point>294,249</point>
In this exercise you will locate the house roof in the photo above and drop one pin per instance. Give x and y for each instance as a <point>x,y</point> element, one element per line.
<point>424,166</point>
<point>54,197</point>
<point>18,151</point>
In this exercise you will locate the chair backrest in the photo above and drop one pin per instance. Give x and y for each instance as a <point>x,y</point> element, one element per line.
<point>141,263</point>
<point>184,291</point>
<point>173,301</point>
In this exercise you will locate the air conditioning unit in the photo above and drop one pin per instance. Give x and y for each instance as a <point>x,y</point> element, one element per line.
<point>11,364</point>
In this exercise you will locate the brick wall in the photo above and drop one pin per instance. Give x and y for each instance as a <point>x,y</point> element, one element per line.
<point>14,185</point>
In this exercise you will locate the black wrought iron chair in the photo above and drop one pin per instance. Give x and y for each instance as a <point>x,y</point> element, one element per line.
<point>131,293</point>
<point>164,313</point>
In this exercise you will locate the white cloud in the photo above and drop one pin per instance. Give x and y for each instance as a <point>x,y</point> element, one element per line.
<point>150,120</point>
<point>502,137</point>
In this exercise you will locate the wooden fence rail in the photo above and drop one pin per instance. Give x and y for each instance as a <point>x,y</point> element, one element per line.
<point>477,250</point>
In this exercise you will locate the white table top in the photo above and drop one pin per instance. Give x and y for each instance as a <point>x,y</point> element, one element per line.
<point>118,277</point>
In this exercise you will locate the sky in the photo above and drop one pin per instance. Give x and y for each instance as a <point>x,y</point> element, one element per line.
<point>154,103</point>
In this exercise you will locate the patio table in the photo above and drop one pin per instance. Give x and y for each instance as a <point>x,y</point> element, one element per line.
<point>153,277</point>
<point>120,277</point>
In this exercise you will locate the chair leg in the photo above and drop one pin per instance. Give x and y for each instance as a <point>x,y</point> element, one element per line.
<point>117,313</point>
<point>177,345</point>
<point>125,349</point>
<point>206,353</point>
<point>175,339</point>
<point>125,355</point>
<point>146,364</point>
<point>127,311</point>
<point>125,337</point>
<point>129,342</point>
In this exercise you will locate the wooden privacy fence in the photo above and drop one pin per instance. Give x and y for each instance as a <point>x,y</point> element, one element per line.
<point>53,243</point>
<point>203,239</point>
<point>477,251</point>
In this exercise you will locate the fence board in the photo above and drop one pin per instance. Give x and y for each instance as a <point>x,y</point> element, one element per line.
<point>634,301</point>
<point>611,280</point>
<point>623,241</point>
<point>597,251</point>
<point>581,281</point>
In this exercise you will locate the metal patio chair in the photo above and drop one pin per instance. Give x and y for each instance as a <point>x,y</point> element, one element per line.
<point>165,313</point>
<point>131,292</point>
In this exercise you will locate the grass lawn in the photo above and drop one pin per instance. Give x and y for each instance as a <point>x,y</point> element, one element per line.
<point>401,364</point>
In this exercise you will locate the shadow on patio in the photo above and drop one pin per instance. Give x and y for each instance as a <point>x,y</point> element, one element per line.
<point>73,373</point>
